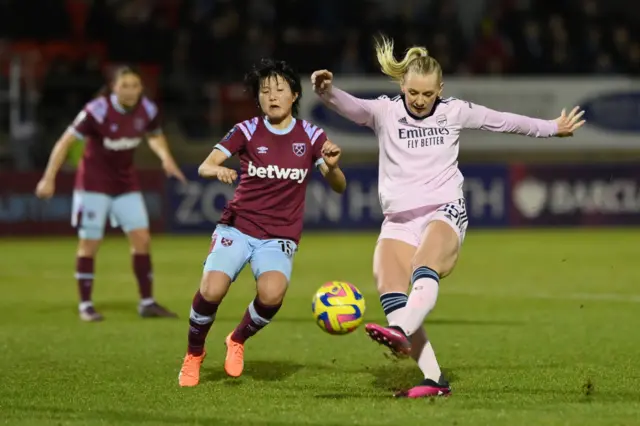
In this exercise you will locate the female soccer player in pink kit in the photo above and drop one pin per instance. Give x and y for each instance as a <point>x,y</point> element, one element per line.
<point>112,126</point>
<point>420,189</point>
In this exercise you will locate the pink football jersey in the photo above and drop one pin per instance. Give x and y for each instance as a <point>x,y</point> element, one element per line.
<point>419,156</point>
<point>275,166</point>
<point>112,134</point>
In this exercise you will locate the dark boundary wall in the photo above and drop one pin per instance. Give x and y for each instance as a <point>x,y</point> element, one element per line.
<point>498,196</point>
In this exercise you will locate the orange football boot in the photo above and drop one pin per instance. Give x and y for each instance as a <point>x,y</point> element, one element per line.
<point>234,362</point>
<point>190,371</point>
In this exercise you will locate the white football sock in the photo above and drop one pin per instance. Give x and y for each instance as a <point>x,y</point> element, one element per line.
<point>422,351</point>
<point>422,299</point>
<point>393,305</point>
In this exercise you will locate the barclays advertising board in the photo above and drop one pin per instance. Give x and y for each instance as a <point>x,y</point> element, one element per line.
<point>575,195</point>
<point>197,206</point>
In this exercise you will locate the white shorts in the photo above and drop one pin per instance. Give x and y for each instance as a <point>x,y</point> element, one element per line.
<point>90,211</point>
<point>409,226</point>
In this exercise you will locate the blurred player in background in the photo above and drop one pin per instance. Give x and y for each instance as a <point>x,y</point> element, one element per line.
<point>421,193</point>
<point>262,224</point>
<point>106,186</point>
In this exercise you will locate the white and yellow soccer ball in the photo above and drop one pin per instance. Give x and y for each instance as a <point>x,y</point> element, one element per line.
<point>338,307</point>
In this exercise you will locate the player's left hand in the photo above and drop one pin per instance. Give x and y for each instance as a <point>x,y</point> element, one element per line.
<point>172,170</point>
<point>567,124</point>
<point>331,154</point>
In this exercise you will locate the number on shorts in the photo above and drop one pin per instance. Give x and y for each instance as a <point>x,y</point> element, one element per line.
<point>456,213</point>
<point>287,247</point>
<point>213,242</point>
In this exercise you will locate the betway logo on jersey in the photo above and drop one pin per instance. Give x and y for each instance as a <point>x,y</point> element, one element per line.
<point>275,172</point>
<point>121,144</point>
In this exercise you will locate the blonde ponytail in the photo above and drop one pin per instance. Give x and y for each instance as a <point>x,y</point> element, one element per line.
<point>415,59</point>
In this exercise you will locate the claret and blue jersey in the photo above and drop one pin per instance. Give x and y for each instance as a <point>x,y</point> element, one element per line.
<point>262,224</point>
<point>275,165</point>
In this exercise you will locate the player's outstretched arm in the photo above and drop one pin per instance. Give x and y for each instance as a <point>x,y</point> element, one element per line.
<point>47,185</point>
<point>158,144</point>
<point>330,169</point>
<point>479,117</point>
<point>360,111</point>
<point>212,168</point>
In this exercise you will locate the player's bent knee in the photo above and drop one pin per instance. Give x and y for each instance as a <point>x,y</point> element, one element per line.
<point>88,248</point>
<point>272,287</point>
<point>214,285</point>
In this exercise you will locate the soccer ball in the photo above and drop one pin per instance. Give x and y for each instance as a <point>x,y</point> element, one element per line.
<point>338,307</point>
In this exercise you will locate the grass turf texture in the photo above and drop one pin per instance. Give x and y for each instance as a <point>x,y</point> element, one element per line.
<point>532,328</point>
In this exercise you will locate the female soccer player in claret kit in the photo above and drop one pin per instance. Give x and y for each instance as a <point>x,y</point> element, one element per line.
<point>262,224</point>
<point>106,186</point>
<point>420,189</point>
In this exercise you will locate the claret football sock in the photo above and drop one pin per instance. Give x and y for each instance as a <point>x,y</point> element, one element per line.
<point>144,274</point>
<point>256,317</point>
<point>201,318</point>
<point>84,276</point>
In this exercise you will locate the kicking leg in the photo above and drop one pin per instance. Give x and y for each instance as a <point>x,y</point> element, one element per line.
<point>435,258</point>
<point>439,249</point>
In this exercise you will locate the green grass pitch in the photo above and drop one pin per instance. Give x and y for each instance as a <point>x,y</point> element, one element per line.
<point>534,327</point>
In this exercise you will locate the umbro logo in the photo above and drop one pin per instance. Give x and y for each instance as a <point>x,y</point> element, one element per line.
<point>262,150</point>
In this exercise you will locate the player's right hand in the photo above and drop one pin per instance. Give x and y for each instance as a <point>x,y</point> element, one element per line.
<point>321,81</point>
<point>226,175</point>
<point>45,188</point>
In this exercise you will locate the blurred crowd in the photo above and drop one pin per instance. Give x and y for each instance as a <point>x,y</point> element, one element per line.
<point>217,39</point>
<point>195,44</point>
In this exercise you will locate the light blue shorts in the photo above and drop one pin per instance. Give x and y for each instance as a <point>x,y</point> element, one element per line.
<point>231,250</point>
<point>90,211</point>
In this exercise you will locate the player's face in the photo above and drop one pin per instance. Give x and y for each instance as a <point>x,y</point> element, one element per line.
<point>128,89</point>
<point>276,98</point>
<point>421,91</point>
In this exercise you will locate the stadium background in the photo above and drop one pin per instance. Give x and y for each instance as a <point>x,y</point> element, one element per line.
<point>528,57</point>
<point>532,324</point>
